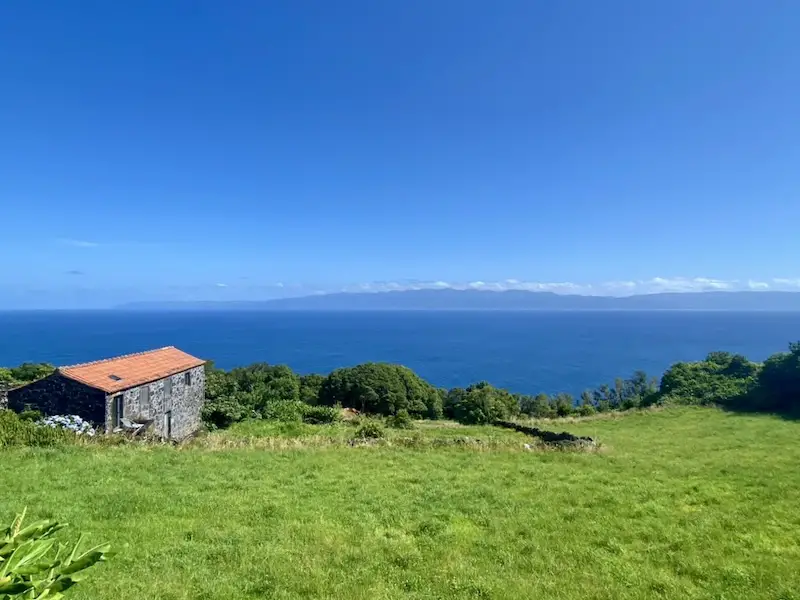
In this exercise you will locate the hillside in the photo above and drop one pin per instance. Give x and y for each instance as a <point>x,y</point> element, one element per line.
<point>508,300</point>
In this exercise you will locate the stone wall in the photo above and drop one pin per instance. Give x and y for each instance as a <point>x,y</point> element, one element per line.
<point>168,394</point>
<point>548,437</point>
<point>59,395</point>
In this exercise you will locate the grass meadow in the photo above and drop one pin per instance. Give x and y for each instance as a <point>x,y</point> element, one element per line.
<point>679,503</point>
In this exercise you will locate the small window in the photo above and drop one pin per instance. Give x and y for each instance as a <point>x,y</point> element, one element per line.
<point>168,386</point>
<point>187,378</point>
<point>119,407</point>
<point>115,377</point>
<point>144,395</point>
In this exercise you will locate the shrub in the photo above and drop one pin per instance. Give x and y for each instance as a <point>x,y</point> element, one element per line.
<point>778,383</point>
<point>16,432</point>
<point>33,566</point>
<point>321,415</point>
<point>370,429</point>
<point>284,410</point>
<point>28,372</point>
<point>402,420</point>
<point>480,404</point>
<point>31,415</point>
<point>720,378</point>
<point>222,412</point>
<point>382,389</point>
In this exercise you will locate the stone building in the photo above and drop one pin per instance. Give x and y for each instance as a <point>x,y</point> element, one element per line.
<point>162,388</point>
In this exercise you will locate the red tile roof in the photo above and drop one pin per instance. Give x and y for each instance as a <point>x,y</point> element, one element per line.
<point>116,374</point>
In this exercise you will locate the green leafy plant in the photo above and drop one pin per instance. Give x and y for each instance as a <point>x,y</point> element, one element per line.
<point>33,565</point>
<point>15,431</point>
<point>321,415</point>
<point>370,429</point>
<point>401,420</point>
<point>31,415</point>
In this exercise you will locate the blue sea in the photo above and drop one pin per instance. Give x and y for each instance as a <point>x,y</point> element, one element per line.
<point>526,352</point>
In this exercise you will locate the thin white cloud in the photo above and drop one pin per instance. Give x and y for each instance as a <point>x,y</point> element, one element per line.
<point>221,285</point>
<point>786,282</point>
<point>685,284</point>
<point>78,243</point>
<point>606,288</point>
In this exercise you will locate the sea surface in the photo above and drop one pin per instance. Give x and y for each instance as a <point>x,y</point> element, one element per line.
<point>526,352</point>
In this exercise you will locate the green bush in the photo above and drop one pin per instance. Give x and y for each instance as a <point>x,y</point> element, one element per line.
<point>33,566</point>
<point>722,378</point>
<point>369,429</point>
<point>481,404</point>
<point>321,415</point>
<point>778,383</point>
<point>17,432</point>
<point>381,389</point>
<point>222,412</point>
<point>288,411</point>
<point>402,420</point>
<point>30,415</point>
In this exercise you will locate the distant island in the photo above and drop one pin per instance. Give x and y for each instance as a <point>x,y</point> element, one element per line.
<point>490,300</point>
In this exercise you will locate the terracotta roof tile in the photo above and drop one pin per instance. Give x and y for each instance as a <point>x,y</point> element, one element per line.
<point>123,372</point>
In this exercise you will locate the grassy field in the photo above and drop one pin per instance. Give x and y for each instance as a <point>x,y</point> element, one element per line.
<point>690,503</point>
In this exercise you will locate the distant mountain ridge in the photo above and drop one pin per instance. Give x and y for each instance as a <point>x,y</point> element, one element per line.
<point>490,300</point>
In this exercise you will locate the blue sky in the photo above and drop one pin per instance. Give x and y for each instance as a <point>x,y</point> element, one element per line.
<point>250,149</point>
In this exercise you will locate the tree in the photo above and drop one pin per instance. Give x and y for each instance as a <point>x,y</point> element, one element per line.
<point>722,378</point>
<point>482,403</point>
<point>564,404</point>
<point>619,391</point>
<point>28,372</point>
<point>381,388</point>
<point>543,407</point>
<point>779,383</point>
<point>310,385</point>
<point>586,406</point>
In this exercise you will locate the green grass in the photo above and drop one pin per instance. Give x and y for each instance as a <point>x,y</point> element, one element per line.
<point>684,503</point>
<point>426,434</point>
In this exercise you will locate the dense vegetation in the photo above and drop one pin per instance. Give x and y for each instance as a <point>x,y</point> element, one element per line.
<point>264,391</point>
<point>722,378</point>
<point>25,373</point>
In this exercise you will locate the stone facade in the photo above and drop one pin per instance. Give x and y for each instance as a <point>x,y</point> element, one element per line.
<point>59,395</point>
<point>3,397</point>
<point>173,404</point>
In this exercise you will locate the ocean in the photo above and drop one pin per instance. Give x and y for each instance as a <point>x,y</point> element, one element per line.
<point>527,352</point>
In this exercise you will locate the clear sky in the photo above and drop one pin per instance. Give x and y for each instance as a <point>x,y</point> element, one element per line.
<point>252,149</point>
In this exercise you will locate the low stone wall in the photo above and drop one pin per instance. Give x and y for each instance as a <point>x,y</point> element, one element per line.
<point>548,437</point>
<point>3,398</point>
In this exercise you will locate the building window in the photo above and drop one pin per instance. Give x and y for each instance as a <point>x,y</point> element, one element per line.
<point>187,378</point>
<point>118,414</point>
<point>144,396</point>
<point>168,386</point>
